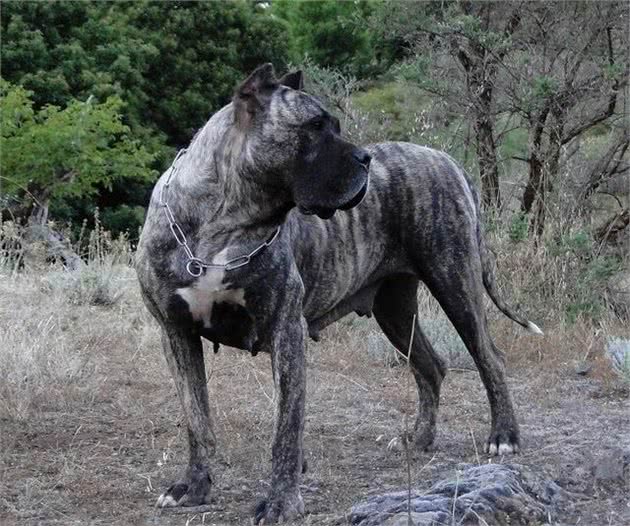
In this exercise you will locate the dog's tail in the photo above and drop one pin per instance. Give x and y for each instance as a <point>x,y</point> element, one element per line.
<point>488,268</point>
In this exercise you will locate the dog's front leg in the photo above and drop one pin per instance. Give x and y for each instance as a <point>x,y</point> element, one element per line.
<point>184,355</point>
<point>284,501</point>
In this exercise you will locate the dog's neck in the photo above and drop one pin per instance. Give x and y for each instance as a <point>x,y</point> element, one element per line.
<point>217,177</point>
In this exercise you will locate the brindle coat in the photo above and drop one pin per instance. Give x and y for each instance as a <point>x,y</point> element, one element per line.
<point>274,157</point>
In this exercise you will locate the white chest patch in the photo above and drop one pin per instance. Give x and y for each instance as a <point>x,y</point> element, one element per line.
<point>208,290</point>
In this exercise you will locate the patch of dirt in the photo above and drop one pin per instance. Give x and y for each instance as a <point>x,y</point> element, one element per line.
<point>105,459</point>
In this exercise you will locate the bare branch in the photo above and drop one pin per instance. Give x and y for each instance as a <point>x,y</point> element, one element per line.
<point>609,164</point>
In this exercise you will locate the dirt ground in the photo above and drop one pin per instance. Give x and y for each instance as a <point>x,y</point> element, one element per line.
<point>100,452</point>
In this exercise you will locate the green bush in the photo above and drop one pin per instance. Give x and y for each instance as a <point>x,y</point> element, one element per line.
<point>591,274</point>
<point>519,227</point>
<point>123,219</point>
<point>402,108</point>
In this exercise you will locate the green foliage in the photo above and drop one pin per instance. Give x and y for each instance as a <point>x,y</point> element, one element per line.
<point>414,70</point>
<point>330,33</point>
<point>172,63</point>
<point>582,309</point>
<point>514,143</point>
<point>401,107</point>
<point>66,152</point>
<point>538,91</point>
<point>66,50</point>
<point>590,274</point>
<point>600,269</point>
<point>123,218</point>
<point>408,113</point>
<point>543,87</point>
<point>613,71</point>
<point>203,50</point>
<point>519,227</point>
<point>577,243</point>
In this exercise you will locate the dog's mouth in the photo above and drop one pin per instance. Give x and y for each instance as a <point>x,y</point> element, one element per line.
<point>319,211</point>
<point>327,213</point>
<point>357,198</point>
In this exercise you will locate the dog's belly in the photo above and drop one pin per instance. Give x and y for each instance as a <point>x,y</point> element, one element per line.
<point>342,261</point>
<point>333,275</point>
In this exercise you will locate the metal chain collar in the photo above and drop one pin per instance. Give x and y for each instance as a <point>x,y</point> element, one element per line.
<point>195,266</point>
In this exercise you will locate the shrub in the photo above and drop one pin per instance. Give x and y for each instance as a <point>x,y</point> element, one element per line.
<point>518,228</point>
<point>618,350</point>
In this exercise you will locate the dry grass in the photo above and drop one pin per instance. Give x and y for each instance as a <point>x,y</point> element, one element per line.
<point>91,429</point>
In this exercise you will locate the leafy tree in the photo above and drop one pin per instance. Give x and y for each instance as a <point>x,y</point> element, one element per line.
<point>204,50</point>
<point>172,63</point>
<point>572,83</point>
<point>66,50</point>
<point>331,34</point>
<point>456,49</point>
<point>56,154</point>
<point>551,71</point>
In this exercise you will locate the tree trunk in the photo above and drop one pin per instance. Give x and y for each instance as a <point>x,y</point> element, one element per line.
<point>480,76</point>
<point>39,212</point>
<point>488,168</point>
<point>534,183</point>
<point>57,248</point>
<point>534,195</point>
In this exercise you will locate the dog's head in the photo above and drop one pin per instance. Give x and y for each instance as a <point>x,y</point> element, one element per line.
<point>296,144</point>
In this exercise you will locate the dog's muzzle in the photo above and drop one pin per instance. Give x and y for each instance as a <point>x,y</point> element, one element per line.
<point>327,213</point>
<point>357,198</point>
<point>363,159</point>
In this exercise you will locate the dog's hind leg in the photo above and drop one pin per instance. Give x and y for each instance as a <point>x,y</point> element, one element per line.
<point>457,285</point>
<point>184,355</point>
<point>395,306</point>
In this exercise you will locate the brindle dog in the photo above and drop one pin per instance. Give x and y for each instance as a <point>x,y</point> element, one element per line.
<point>242,246</point>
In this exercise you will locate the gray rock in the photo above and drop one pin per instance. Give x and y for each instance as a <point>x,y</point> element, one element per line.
<point>494,493</point>
<point>402,519</point>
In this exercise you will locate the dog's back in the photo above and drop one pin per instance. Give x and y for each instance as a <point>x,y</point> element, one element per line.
<point>418,200</point>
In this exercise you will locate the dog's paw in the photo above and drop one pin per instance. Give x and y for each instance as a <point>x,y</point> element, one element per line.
<point>176,495</point>
<point>502,443</point>
<point>281,509</point>
<point>192,490</point>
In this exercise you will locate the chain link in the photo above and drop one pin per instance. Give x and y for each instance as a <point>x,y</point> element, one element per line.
<point>195,266</point>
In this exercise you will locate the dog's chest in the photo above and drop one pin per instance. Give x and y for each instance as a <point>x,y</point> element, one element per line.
<point>206,292</point>
<point>219,310</point>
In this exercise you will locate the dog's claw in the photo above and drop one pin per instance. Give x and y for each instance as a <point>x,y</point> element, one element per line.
<point>500,444</point>
<point>173,496</point>
<point>192,490</point>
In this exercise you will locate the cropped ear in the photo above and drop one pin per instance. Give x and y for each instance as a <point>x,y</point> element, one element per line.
<point>253,94</point>
<point>294,80</point>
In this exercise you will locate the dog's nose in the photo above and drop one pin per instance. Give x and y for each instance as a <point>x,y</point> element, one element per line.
<point>362,157</point>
